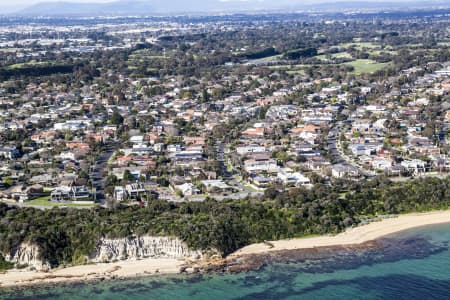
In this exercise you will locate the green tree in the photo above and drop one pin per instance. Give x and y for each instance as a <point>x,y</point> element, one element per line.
<point>116,118</point>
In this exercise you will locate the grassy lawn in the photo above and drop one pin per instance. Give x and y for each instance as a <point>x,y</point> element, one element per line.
<point>269,58</point>
<point>378,52</point>
<point>341,55</point>
<point>28,64</point>
<point>334,55</point>
<point>141,57</point>
<point>290,69</point>
<point>286,67</point>
<point>145,53</point>
<point>361,45</point>
<point>366,66</point>
<point>296,72</point>
<point>264,60</point>
<point>361,65</point>
<point>45,201</point>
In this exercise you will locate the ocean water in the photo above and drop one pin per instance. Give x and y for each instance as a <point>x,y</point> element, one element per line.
<point>414,264</point>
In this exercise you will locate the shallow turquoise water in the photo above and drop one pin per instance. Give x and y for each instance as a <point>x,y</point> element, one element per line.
<point>411,265</point>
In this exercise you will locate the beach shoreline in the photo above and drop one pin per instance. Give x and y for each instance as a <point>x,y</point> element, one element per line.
<point>352,236</point>
<point>358,237</point>
<point>93,272</point>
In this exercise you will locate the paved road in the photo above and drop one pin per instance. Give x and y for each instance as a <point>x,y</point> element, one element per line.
<point>332,147</point>
<point>98,180</point>
<point>335,150</point>
<point>221,159</point>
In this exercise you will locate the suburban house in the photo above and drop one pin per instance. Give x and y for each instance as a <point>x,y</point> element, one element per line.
<point>381,164</point>
<point>9,153</point>
<point>254,132</point>
<point>201,141</point>
<point>136,191</point>
<point>365,149</point>
<point>243,150</point>
<point>120,194</point>
<point>24,193</point>
<point>71,193</point>
<point>259,180</point>
<point>341,171</point>
<point>216,186</point>
<point>62,193</point>
<point>294,179</point>
<point>269,165</point>
<point>80,193</point>
<point>188,189</point>
<point>415,165</point>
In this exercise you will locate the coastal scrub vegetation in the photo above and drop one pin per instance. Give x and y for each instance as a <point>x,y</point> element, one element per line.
<point>4,265</point>
<point>66,236</point>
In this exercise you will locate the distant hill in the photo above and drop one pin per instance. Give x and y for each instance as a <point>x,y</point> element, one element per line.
<point>151,7</point>
<point>125,7</point>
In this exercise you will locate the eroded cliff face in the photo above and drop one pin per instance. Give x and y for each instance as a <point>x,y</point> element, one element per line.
<point>27,255</point>
<point>109,250</point>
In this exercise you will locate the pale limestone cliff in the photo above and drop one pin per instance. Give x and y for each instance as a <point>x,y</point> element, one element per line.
<point>109,250</point>
<point>142,247</point>
<point>27,255</point>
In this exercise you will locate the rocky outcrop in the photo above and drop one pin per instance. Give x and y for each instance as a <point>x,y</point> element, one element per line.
<point>27,255</point>
<point>109,250</point>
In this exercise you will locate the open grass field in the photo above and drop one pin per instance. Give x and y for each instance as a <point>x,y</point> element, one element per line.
<point>286,67</point>
<point>45,202</point>
<point>334,55</point>
<point>296,72</point>
<point>361,45</point>
<point>361,66</point>
<point>28,64</point>
<point>265,60</point>
<point>290,69</point>
<point>366,66</point>
<point>143,57</point>
<point>378,52</point>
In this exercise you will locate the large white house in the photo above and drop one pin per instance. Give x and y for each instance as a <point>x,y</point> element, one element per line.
<point>269,165</point>
<point>296,178</point>
<point>243,150</point>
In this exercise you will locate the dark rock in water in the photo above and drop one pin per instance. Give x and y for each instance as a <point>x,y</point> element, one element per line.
<point>97,291</point>
<point>328,259</point>
<point>195,278</point>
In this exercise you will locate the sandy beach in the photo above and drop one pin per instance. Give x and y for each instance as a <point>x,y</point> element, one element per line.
<point>145,267</point>
<point>122,269</point>
<point>352,236</point>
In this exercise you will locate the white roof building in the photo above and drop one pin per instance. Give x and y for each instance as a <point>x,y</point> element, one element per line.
<point>293,178</point>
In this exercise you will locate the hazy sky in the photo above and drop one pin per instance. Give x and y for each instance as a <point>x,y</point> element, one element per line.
<point>7,6</point>
<point>14,5</point>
